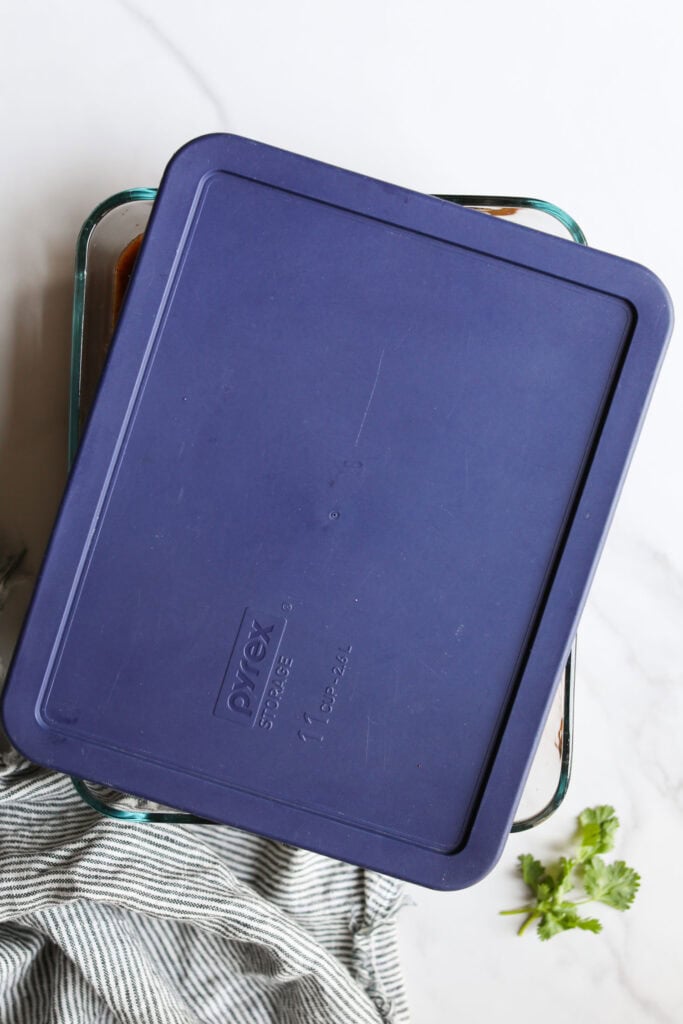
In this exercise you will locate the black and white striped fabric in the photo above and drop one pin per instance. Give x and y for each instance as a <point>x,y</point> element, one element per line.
<point>103,922</point>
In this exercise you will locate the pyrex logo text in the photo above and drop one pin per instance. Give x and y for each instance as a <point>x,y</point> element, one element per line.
<point>253,653</point>
<point>249,667</point>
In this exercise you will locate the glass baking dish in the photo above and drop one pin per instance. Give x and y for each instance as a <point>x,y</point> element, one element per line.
<point>106,248</point>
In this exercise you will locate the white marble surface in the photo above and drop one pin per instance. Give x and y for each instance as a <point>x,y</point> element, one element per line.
<point>578,103</point>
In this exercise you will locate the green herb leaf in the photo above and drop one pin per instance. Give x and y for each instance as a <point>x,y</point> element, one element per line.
<point>532,870</point>
<point>614,884</point>
<point>564,877</point>
<point>549,925</point>
<point>597,826</point>
<point>563,919</point>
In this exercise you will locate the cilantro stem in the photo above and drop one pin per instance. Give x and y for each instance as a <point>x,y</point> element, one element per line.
<point>533,916</point>
<point>518,910</point>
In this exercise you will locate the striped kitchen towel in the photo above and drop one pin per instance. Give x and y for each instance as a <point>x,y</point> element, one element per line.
<point>103,921</point>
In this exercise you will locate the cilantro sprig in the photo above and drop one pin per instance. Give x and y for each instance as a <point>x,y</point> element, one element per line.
<point>571,882</point>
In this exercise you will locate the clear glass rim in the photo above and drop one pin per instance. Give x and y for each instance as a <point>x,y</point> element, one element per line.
<point>524,824</point>
<point>522,203</point>
<point>78,316</point>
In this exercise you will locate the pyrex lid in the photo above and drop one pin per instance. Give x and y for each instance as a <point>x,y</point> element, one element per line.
<point>334,516</point>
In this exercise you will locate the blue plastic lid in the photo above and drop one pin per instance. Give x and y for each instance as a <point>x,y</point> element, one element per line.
<point>336,510</point>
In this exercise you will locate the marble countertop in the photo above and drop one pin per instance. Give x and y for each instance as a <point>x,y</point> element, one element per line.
<point>578,105</point>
